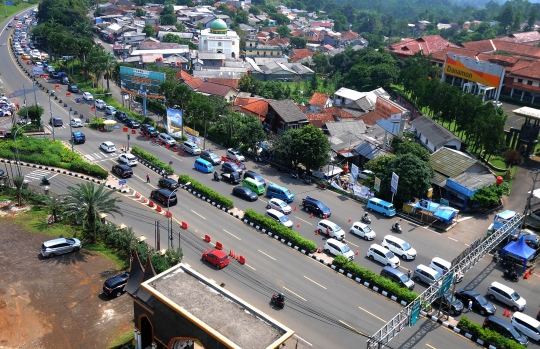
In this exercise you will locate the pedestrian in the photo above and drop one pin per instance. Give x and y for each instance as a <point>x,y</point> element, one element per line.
<point>148,178</point>
<point>409,274</point>
<point>16,106</point>
<point>470,305</point>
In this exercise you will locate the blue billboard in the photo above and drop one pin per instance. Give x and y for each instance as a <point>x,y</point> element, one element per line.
<point>140,81</point>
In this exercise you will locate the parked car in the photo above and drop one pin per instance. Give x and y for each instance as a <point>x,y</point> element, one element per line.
<point>55,247</point>
<point>128,159</point>
<point>109,110</point>
<point>505,329</point>
<point>338,248</point>
<point>229,167</point>
<point>235,154</point>
<point>362,230</point>
<point>56,121</point>
<point>245,193</point>
<point>191,148</point>
<point>531,239</point>
<point>166,139</point>
<point>108,147</point>
<point>210,157</point>
<point>527,325</point>
<point>506,295</point>
<point>255,176</point>
<point>132,123</point>
<point>382,255</point>
<point>121,116</point>
<point>331,229</point>
<point>168,183</point>
<point>317,207</point>
<point>364,174</point>
<point>122,171</point>
<point>87,96</point>
<point>449,303</point>
<point>216,257</point>
<point>279,205</point>
<point>479,303</point>
<point>116,285</point>
<point>100,104</point>
<point>73,88</point>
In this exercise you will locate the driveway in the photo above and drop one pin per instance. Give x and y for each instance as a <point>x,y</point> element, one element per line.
<point>55,303</point>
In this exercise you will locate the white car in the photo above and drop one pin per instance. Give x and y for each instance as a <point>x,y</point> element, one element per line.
<point>100,104</point>
<point>76,123</point>
<point>16,45</point>
<point>87,96</point>
<point>362,230</point>
<point>331,229</point>
<point>108,147</point>
<point>128,159</point>
<point>5,112</point>
<point>382,255</point>
<point>279,205</point>
<point>235,154</point>
<point>364,174</point>
<point>338,248</point>
<point>279,217</point>
<point>19,51</point>
<point>399,247</point>
<point>166,139</point>
<point>36,52</point>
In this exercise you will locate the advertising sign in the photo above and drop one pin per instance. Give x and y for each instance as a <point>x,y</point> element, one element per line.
<point>385,109</point>
<point>471,69</point>
<point>377,184</point>
<point>354,173</point>
<point>174,120</point>
<point>140,80</point>
<point>394,183</point>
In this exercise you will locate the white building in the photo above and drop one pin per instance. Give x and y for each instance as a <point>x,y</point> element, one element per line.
<point>220,39</point>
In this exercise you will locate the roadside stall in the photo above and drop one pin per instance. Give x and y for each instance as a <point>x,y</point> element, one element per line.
<point>519,253</point>
<point>108,125</point>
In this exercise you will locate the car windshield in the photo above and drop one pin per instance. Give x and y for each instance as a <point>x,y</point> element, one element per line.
<point>389,255</point>
<point>234,166</point>
<point>404,278</point>
<point>287,192</point>
<point>223,259</point>
<point>284,219</point>
<point>437,276</point>
<point>406,246</point>
<point>481,300</point>
<point>336,228</point>
<point>367,229</point>
<point>515,296</point>
<point>514,332</point>
<point>282,204</point>
<point>213,156</point>
<point>451,298</point>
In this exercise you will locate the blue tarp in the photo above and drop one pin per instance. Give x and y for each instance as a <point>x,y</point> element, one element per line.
<point>519,250</point>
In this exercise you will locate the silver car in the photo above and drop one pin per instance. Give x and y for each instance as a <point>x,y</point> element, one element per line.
<point>55,247</point>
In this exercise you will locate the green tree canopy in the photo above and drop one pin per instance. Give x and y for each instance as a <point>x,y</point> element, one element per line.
<point>251,133</point>
<point>140,12</point>
<point>34,113</point>
<point>489,196</point>
<point>298,42</point>
<point>307,145</point>
<point>411,147</point>
<point>149,30</point>
<point>283,31</point>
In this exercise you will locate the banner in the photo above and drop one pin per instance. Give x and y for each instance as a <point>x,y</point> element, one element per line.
<point>174,120</point>
<point>354,173</point>
<point>394,183</point>
<point>377,184</point>
<point>485,73</point>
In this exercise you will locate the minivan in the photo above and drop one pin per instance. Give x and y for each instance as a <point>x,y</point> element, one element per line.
<point>381,206</point>
<point>282,193</point>
<point>210,157</point>
<point>442,267</point>
<point>527,325</point>
<point>398,277</point>
<point>164,196</point>
<point>279,217</point>
<point>55,247</point>
<point>426,274</point>
<point>399,247</point>
<point>506,295</point>
<point>331,229</point>
<point>203,165</point>
<point>382,255</point>
<point>338,248</point>
<point>505,329</point>
<point>255,186</point>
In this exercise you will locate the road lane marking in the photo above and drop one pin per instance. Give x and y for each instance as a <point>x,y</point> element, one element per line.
<point>302,298</point>
<point>370,313</point>
<point>316,283</point>
<point>267,255</point>
<point>303,340</point>
<point>263,200</point>
<point>249,266</point>
<point>452,239</point>
<point>198,214</point>
<point>431,346</point>
<point>231,234</point>
<point>303,220</point>
<point>177,158</point>
<point>354,329</point>
<point>144,180</point>
<point>350,243</point>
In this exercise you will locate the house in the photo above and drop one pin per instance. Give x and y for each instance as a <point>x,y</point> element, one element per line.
<point>211,59</point>
<point>213,89</point>
<point>459,176</point>
<point>425,44</point>
<point>181,306</point>
<point>319,101</point>
<point>252,106</point>
<point>190,81</point>
<point>132,37</point>
<point>362,101</point>
<point>300,55</point>
<point>284,115</point>
<point>176,61</point>
<point>276,70</point>
<point>527,38</point>
<point>434,136</point>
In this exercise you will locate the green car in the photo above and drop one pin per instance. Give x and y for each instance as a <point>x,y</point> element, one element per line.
<point>255,186</point>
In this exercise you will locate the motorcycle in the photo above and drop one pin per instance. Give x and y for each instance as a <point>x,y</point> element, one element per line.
<point>397,229</point>
<point>294,175</point>
<point>307,180</point>
<point>366,219</point>
<point>45,181</point>
<point>275,300</point>
<point>511,275</point>
<point>216,176</point>
<point>322,186</point>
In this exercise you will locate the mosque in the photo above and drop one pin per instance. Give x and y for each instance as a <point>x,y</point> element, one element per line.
<point>219,39</point>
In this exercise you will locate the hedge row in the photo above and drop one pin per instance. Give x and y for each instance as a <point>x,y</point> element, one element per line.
<point>282,231</point>
<point>152,159</point>
<point>205,191</point>
<point>373,278</point>
<point>487,335</point>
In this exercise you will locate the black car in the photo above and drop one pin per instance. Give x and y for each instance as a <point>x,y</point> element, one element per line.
<point>121,116</point>
<point>123,171</point>
<point>73,88</point>
<point>245,193</point>
<point>479,302</point>
<point>229,167</point>
<point>115,285</point>
<point>54,75</point>
<point>505,329</point>
<point>132,123</point>
<point>318,208</point>
<point>149,130</point>
<point>456,305</point>
<point>168,183</point>
<point>255,176</point>
<point>164,196</point>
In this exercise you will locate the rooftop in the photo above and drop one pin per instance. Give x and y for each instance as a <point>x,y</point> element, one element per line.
<point>438,135</point>
<point>223,315</point>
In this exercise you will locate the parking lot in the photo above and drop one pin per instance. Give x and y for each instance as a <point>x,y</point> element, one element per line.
<point>57,302</point>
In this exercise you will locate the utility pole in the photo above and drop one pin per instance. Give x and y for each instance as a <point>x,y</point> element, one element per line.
<point>70,130</point>
<point>52,122</point>
<point>35,96</point>
<point>25,106</point>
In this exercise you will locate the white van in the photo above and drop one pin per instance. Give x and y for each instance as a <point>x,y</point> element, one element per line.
<point>527,325</point>
<point>338,248</point>
<point>399,247</point>
<point>442,266</point>
<point>279,217</point>
<point>426,275</point>
<point>331,229</point>
<point>506,295</point>
<point>382,255</point>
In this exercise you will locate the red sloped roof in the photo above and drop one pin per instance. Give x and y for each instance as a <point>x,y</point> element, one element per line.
<point>338,112</point>
<point>349,34</point>
<point>441,55</point>
<point>193,83</point>
<point>318,120</point>
<point>530,71</point>
<point>427,44</point>
<point>227,82</point>
<point>214,89</point>
<point>321,24</point>
<point>278,41</point>
<point>521,38</point>
<point>258,108</point>
<point>298,32</point>
<point>319,99</point>
<point>300,53</point>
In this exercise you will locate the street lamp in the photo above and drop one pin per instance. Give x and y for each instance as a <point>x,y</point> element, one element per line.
<point>229,130</point>
<point>17,149</point>
<point>169,233</point>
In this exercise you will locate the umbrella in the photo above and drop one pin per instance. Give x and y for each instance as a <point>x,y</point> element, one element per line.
<point>123,226</point>
<point>109,122</point>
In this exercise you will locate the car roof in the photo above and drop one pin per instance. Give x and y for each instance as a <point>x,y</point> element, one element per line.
<point>240,188</point>
<point>129,156</point>
<point>54,241</point>
<point>215,251</point>
<point>108,143</point>
<point>337,242</point>
<point>123,166</point>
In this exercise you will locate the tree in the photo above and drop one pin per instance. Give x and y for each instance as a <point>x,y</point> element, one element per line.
<point>512,157</point>
<point>298,42</point>
<point>284,148</point>
<point>148,30</point>
<point>34,113</point>
<point>281,19</point>
<point>18,182</point>
<point>180,27</point>
<point>314,145</point>
<point>84,204</point>
<point>247,83</point>
<point>140,12</point>
<point>489,196</point>
<point>283,31</point>
<point>241,17</point>
<point>251,133</point>
<point>177,39</point>
<point>411,147</point>
<point>54,204</point>
<point>219,105</point>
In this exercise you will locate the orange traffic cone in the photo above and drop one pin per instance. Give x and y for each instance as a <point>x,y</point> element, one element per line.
<point>506,313</point>
<point>357,252</point>
<point>298,226</point>
<point>294,208</point>
<point>527,274</point>
<point>350,219</point>
<point>311,215</point>
<point>316,232</point>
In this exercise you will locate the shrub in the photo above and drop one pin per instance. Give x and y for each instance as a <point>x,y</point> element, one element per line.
<point>282,231</point>
<point>205,191</point>
<point>89,169</point>
<point>153,160</point>
<point>486,334</point>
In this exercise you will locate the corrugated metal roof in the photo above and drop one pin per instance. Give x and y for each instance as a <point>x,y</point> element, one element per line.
<point>475,181</point>
<point>450,162</point>
<point>438,179</point>
<point>434,133</point>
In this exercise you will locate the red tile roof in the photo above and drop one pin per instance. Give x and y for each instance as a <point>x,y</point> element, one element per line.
<point>532,71</point>
<point>258,108</point>
<point>498,59</point>
<point>441,55</point>
<point>318,120</point>
<point>278,41</point>
<point>349,35</point>
<point>480,46</point>
<point>500,45</point>
<point>427,44</point>
<point>321,24</point>
<point>298,32</point>
<point>193,83</point>
<point>522,38</point>
<point>300,53</point>
<point>370,118</point>
<point>319,99</point>
<point>339,113</point>
<point>155,9</point>
<point>214,89</point>
<point>227,82</point>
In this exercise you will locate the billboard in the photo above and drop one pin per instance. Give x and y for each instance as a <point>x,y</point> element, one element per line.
<point>174,120</point>
<point>385,109</point>
<point>471,69</point>
<point>139,80</point>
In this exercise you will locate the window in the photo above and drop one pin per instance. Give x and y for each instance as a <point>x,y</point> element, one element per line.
<point>520,80</point>
<point>219,43</point>
<point>233,43</point>
<point>205,42</point>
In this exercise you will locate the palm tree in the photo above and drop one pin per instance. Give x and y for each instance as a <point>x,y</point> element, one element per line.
<point>85,203</point>
<point>18,182</point>
<point>110,64</point>
<point>55,205</point>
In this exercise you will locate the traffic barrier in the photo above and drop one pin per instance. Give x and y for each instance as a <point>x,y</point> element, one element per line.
<point>141,133</point>
<point>167,145</point>
<point>65,105</point>
<point>68,94</point>
<point>207,238</point>
<point>316,231</point>
<point>154,139</point>
<point>357,252</point>
<point>184,225</point>
<point>158,208</point>
<point>57,86</point>
<point>93,108</point>
<point>527,274</point>
<point>182,152</point>
<point>242,260</point>
<point>137,195</point>
<point>175,149</point>
<point>134,132</point>
<point>147,136</point>
<point>151,203</point>
<point>125,129</point>
<point>311,215</point>
<point>160,141</point>
<point>168,214</point>
<point>219,246</point>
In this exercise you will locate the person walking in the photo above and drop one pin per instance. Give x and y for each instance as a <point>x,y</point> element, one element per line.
<point>470,305</point>
<point>148,178</point>
<point>409,274</point>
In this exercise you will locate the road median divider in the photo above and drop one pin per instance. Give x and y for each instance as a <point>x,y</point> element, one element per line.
<point>205,193</point>
<point>152,161</point>
<point>483,336</point>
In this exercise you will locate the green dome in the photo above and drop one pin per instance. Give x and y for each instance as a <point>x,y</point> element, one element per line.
<point>218,24</point>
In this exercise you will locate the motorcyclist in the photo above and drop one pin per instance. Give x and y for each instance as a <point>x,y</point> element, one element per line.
<point>366,216</point>
<point>45,179</point>
<point>280,297</point>
<point>216,176</point>
<point>397,226</point>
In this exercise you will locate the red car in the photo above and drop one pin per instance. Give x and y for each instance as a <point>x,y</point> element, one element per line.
<point>216,257</point>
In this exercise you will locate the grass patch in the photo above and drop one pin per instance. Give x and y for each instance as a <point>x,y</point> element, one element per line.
<point>123,340</point>
<point>107,252</point>
<point>12,10</point>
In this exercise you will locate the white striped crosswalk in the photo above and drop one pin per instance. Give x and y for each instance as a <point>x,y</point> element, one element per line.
<point>97,157</point>
<point>37,175</point>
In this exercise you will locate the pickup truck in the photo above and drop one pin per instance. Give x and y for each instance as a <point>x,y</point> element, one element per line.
<point>233,177</point>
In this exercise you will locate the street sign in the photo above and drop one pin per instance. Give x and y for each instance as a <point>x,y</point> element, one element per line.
<point>394,183</point>
<point>122,182</point>
<point>447,283</point>
<point>415,312</point>
<point>377,184</point>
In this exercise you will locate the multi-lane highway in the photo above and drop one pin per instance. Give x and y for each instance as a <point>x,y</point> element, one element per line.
<point>323,307</point>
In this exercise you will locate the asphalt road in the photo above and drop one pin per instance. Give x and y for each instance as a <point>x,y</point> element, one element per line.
<point>317,296</point>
